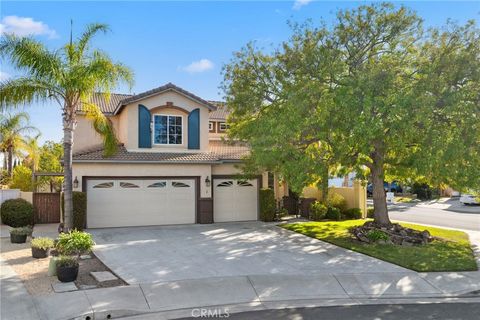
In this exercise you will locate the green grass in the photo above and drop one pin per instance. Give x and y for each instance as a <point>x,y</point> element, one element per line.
<point>452,253</point>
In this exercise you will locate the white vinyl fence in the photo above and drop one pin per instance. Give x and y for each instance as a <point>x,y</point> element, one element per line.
<point>6,194</point>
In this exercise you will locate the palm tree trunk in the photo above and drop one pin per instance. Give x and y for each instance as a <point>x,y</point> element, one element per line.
<point>67,167</point>
<point>10,161</point>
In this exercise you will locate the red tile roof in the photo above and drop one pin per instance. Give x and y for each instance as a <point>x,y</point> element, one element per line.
<point>218,151</point>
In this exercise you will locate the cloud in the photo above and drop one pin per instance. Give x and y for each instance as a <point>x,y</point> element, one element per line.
<point>300,3</point>
<point>198,66</point>
<point>4,76</point>
<point>24,26</point>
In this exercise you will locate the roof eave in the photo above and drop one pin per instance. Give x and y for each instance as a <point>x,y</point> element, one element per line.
<point>147,162</point>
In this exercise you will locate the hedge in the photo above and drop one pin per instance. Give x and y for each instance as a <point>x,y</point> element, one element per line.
<point>318,211</point>
<point>352,213</point>
<point>79,209</point>
<point>17,213</point>
<point>267,205</point>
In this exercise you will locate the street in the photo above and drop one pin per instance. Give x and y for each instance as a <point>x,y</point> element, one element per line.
<point>434,216</point>
<point>445,311</point>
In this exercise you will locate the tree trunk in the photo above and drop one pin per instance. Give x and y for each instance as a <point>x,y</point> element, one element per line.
<point>67,167</point>
<point>379,199</point>
<point>324,184</point>
<point>10,161</point>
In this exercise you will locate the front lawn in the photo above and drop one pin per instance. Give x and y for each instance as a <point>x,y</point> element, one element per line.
<point>452,253</point>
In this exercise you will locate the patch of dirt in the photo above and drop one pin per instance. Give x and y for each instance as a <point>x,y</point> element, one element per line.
<point>34,272</point>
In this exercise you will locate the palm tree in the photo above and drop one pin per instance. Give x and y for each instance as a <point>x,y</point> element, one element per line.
<point>68,76</point>
<point>13,127</point>
<point>31,147</point>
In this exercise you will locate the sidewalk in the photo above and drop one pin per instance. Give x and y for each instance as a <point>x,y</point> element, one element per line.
<point>257,292</point>
<point>15,302</point>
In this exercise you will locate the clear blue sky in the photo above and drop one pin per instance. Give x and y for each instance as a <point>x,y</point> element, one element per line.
<point>160,40</point>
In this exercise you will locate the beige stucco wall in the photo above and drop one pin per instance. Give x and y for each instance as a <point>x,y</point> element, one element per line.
<point>126,124</point>
<point>146,170</point>
<point>355,196</point>
<point>131,121</point>
<point>26,196</point>
<point>226,168</point>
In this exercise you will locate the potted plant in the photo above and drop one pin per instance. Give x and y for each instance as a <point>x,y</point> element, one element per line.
<point>41,247</point>
<point>71,245</point>
<point>67,268</point>
<point>19,235</point>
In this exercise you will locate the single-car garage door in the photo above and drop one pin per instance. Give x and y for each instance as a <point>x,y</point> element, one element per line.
<point>128,202</point>
<point>235,200</point>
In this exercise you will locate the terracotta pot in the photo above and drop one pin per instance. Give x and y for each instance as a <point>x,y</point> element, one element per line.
<point>18,238</point>
<point>67,274</point>
<point>39,253</point>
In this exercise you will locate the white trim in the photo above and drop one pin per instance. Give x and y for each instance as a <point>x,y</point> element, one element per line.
<point>168,144</point>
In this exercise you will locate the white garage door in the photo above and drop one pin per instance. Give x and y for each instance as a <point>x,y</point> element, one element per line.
<point>235,200</point>
<point>122,203</point>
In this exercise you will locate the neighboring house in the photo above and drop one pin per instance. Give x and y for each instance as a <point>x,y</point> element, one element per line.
<point>172,166</point>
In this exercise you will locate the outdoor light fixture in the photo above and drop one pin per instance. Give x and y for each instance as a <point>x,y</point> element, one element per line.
<point>75,183</point>
<point>207,181</point>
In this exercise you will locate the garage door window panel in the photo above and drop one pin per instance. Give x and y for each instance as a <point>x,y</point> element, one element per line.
<point>161,184</point>
<point>128,185</point>
<point>103,185</point>
<point>225,184</point>
<point>177,184</point>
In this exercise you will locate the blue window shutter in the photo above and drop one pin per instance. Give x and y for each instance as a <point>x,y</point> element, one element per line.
<point>144,130</point>
<point>194,129</point>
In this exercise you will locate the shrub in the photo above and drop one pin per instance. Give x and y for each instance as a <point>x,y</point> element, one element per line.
<point>370,212</point>
<point>318,211</point>
<point>22,178</point>
<point>336,200</point>
<point>353,213</point>
<point>375,235</point>
<point>66,261</point>
<point>75,242</point>
<point>21,231</point>
<point>424,191</point>
<point>79,209</point>
<point>333,213</point>
<point>17,213</point>
<point>42,243</point>
<point>267,205</point>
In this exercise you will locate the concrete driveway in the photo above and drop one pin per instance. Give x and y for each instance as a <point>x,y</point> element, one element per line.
<point>167,253</point>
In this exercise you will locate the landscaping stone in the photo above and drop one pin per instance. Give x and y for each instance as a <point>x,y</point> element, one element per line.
<point>397,234</point>
<point>102,276</point>
<point>85,256</point>
<point>64,287</point>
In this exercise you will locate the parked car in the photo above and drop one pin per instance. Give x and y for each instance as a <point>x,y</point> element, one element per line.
<point>468,199</point>
<point>388,187</point>
<point>370,188</point>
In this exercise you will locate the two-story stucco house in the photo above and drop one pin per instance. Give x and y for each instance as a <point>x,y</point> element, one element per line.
<point>172,166</point>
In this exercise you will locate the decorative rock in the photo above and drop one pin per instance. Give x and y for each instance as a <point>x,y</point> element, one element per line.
<point>64,286</point>
<point>102,276</point>
<point>85,257</point>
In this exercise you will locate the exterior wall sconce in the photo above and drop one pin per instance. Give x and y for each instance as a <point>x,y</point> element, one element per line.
<point>207,182</point>
<point>75,183</point>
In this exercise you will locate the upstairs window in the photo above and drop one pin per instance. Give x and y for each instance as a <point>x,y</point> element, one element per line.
<point>223,126</point>
<point>168,129</point>
<point>210,126</point>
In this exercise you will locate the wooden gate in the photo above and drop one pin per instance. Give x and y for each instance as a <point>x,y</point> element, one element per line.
<point>46,207</point>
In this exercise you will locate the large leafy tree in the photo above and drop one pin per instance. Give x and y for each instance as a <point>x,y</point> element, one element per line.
<point>372,93</point>
<point>13,128</point>
<point>68,76</point>
<point>50,157</point>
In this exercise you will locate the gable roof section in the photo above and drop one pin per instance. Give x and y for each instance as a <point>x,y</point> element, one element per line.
<point>117,101</point>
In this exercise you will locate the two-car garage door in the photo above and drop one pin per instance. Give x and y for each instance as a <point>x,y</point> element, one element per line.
<point>141,202</point>
<point>119,203</point>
